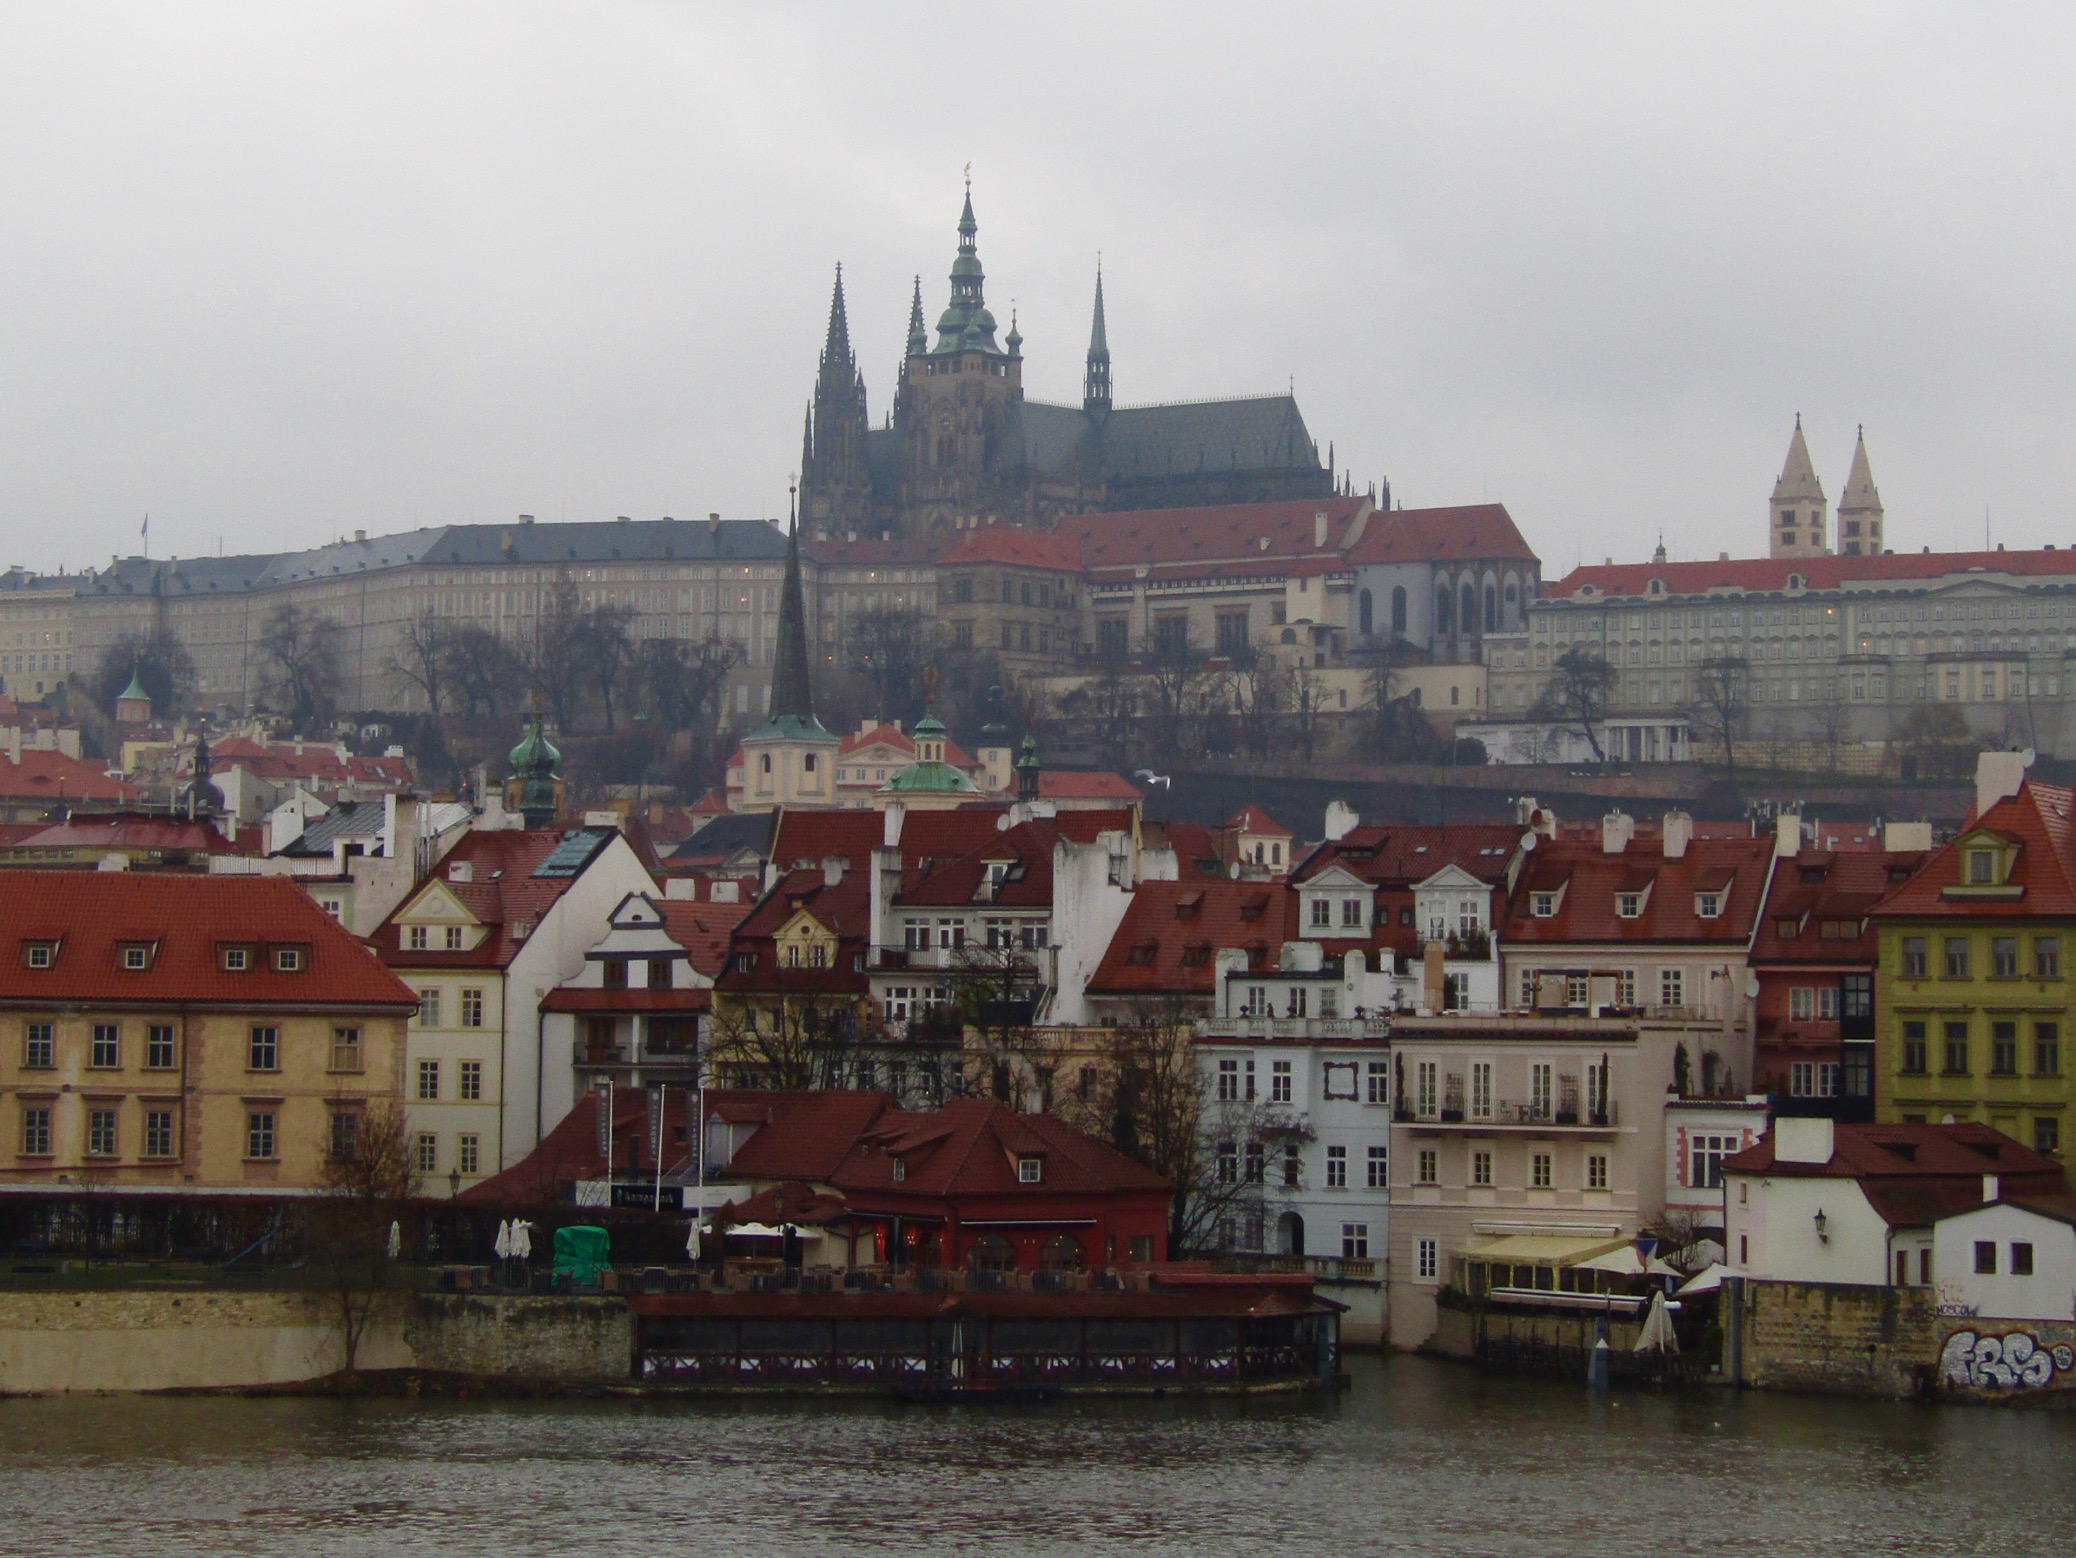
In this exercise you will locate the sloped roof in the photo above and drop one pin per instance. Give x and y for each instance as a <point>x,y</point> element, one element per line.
<point>2041,820</point>
<point>1026,850</point>
<point>1391,854</point>
<point>970,1146</point>
<point>1816,891</point>
<point>1770,574</point>
<point>504,893</point>
<point>1798,478</point>
<point>41,775</point>
<point>726,835</point>
<point>1914,1173</point>
<point>1180,438</point>
<point>1475,530</point>
<point>92,915</point>
<point>867,551</point>
<point>1007,545</point>
<point>1227,533</point>
<point>1062,784</point>
<point>1169,938</point>
<point>704,930</point>
<point>798,1135</point>
<point>130,830</point>
<point>1255,819</point>
<point>1590,878</point>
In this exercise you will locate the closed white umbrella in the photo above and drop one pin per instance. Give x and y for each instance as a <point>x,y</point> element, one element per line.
<point>396,1240</point>
<point>504,1240</point>
<point>692,1243</point>
<point>1657,1334</point>
<point>522,1239</point>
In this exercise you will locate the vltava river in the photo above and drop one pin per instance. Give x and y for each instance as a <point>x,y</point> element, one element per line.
<point>1418,1458</point>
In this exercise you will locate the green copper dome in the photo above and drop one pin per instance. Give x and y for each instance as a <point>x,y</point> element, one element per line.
<point>535,753</point>
<point>135,691</point>
<point>930,779</point>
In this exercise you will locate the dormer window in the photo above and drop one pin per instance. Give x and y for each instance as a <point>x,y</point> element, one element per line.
<point>453,938</point>
<point>236,960</point>
<point>1628,906</point>
<point>1543,905</point>
<point>137,957</point>
<point>288,960</point>
<point>416,938</point>
<point>39,954</point>
<point>1708,906</point>
<point>1030,1171</point>
<point>900,1170</point>
<point>1982,867</point>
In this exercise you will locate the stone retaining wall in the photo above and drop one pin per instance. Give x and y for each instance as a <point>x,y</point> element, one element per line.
<point>561,1340</point>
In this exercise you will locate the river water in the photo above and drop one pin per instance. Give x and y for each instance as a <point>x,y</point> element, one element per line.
<point>1418,1457</point>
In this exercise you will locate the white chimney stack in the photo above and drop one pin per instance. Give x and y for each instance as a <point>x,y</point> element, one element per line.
<point>1799,1140</point>
<point>1341,820</point>
<point>1319,528</point>
<point>1787,835</point>
<point>832,870</point>
<point>1989,1188</point>
<point>1998,776</point>
<point>1679,833</point>
<point>1617,828</point>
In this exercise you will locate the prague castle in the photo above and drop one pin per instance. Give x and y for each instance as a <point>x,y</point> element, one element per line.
<point>962,447</point>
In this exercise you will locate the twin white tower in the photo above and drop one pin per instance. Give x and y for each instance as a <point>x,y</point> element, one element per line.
<point>1799,525</point>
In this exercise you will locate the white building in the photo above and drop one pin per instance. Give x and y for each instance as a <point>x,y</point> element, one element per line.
<point>2009,1259</point>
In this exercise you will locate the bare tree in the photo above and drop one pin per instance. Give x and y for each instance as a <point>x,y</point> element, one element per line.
<point>1578,691</point>
<point>1307,690</point>
<point>607,652</point>
<point>1176,673</point>
<point>300,655</point>
<point>366,1182</point>
<point>787,1043</point>
<point>481,671</point>
<point>423,658</point>
<point>888,647</point>
<point>555,659</point>
<point>159,662</point>
<point>1721,687</point>
<point>684,686</point>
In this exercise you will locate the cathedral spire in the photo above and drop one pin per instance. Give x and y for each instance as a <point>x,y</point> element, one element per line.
<point>1859,507</point>
<point>918,332</point>
<point>1095,383</point>
<point>792,693</point>
<point>839,366</point>
<point>966,325</point>
<point>1797,526</point>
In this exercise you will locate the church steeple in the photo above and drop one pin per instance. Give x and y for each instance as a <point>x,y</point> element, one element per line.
<point>789,759</point>
<point>1095,382</point>
<point>835,476</point>
<point>1797,526</point>
<point>1859,507</point>
<point>792,692</point>
<point>966,325</point>
<point>918,332</point>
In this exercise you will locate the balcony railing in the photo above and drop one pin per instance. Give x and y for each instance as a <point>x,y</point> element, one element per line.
<point>1244,1025</point>
<point>1511,1115</point>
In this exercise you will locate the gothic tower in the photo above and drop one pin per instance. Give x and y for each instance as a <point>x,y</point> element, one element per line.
<point>835,477</point>
<point>961,434</point>
<point>1859,507</point>
<point>790,760</point>
<point>1095,380</point>
<point>1796,524</point>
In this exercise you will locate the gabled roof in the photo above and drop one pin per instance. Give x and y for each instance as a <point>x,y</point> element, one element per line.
<point>1169,938</point>
<point>1229,533</point>
<point>704,930</point>
<point>1397,855</point>
<point>1062,784</point>
<point>970,1146</point>
<point>1914,1174</point>
<point>1816,895</point>
<point>92,915</point>
<point>1480,531</point>
<point>506,891</point>
<point>810,837</point>
<point>1023,855</point>
<point>2041,820</point>
<point>155,832</point>
<point>1255,819</point>
<point>37,774</point>
<point>1007,545</point>
<point>726,836</point>
<point>1735,867</point>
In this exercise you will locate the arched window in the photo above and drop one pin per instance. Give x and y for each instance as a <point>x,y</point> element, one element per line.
<point>766,763</point>
<point>1398,611</point>
<point>1491,609</point>
<point>1513,603</point>
<point>1441,611</point>
<point>991,1252</point>
<point>1365,608</point>
<point>1467,619</point>
<point>1063,1252</point>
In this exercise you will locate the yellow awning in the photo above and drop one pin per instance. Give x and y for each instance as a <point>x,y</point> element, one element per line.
<point>1541,1249</point>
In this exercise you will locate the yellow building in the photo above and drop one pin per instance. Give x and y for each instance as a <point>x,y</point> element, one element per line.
<point>185,1032</point>
<point>1972,990</point>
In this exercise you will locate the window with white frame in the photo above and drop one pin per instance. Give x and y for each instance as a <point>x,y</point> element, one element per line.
<point>1541,1170</point>
<point>1481,1090</point>
<point>1228,1081</point>
<point>1672,987</point>
<point>1279,1081</point>
<point>1351,913</point>
<point>1802,1003</point>
<point>1377,1074</point>
<point>1355,1241</point>
<point>1322,913</point>
<point>1596,1171</point>
<point>1427,1258</point>
<point>1705,1154</point>
<point>1427,1089</point>
<point>1337,1168</point>
<point>1541,1077</point>
<point>1379,1166</point>
<point>1430,1166</point>
<point>1481,1166</point>
<point>1827,1003</point>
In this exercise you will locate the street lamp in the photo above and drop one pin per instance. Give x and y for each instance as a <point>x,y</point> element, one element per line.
<point>1822,1224</point>
<point>454,1182</point>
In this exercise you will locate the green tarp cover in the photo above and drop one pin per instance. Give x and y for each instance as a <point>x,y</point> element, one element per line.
<point>581,1251</point>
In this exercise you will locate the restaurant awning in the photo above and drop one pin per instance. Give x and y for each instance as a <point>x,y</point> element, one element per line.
<point>1542,1249</point>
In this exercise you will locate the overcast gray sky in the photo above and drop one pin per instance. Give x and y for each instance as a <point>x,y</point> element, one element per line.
<point>272,273</point>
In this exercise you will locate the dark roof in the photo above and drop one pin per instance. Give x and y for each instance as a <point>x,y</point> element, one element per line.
<point>1178,438</point>
<point>725,835</point>
<point>348,820</point>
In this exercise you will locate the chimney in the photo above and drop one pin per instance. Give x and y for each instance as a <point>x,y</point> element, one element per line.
<point>713,524</point>
<point>1341,820</point>
<point>832,870</point>
<point>360,535</point>
<point>1998,775</point>
<point>1319,528</point>
<point>1433,979</point>
<point>1989,1188</point>
<point>1901,837</point>
<point>1679,833</point>
<point>1617,828</point>
<point>1787,834</point>
<point>890,837</point>
<point>1798,1140</point>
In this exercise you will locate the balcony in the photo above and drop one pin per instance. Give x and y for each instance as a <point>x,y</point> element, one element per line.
<point>1508,1116</point>
<point>1245,1025</point>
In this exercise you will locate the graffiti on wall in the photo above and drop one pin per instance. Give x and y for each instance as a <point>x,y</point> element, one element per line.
<point>2013,1361</point>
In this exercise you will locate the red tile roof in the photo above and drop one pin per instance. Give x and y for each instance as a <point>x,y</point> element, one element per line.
<point>1170,936</point>
<point>1477,530</point>
<point>1817,896</point>
<point>1004,544</point>
<point>1255,819</point>
<point>1915,1173</point>
<point>901,741</point>
<point>1398,855</point>
<point>1197,539</point>
<point>1057,784</point>
<point>704,930</point>
<point>130,830</point>
<point>1025,851</point>
<point>810,837</point>
<point>502,893</point>
<point>586,998</point>
<point>38,775</point>
<point>313,761</point>
<point>185,920</point>
<point>2041,821</point>
<point>1820,573</point>
<point>1589,878</point>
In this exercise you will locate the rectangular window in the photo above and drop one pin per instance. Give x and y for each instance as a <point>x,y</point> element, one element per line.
<point>2047,957</point>
<point>1378,1163</point>
<point>100,1133</point>
<point>1985,1258</point>
<point>1322,913</point>
<point>1596,1171</point>
<point>429,1079</point>
<point>1481,1090</point>
<point>1427,1084</point>
<point>468,1153</point>
<point>1914,957</point>
<point>2004,957</point>
<point>428,1152</point>
<point>1337,1168</point>
<point>1257,1163</point>
<point>1355,1241</point>
<point>288,960</point>
<point>1430,1166</point>
<point>2047,1134</point>
<point>158,1133</point>
<point>1540,1078</point>
<point>1540,1170</point>
<point>1705,1154</point>
<point>237,959</point>
<point>39,1046</point>
<point>346,1054</point>
<point>415,939</point>
<point>429,1008</point>
<point>1827,1003</point>
<point>1378,1078</point>
<point>471,1081</point>
<point>1293,1166</point>
<point>259,1135</point>
<point>1351,912</point>
<point>108,1046</point>
<point>1914,1059</point>
<point>1228,1081</point>
<point>1956,1055</point>
<point>345,1134</point>
<point>1955,950</point>
<point>2021,1260</point>
<point>1228,1163</point>
<point>1802,1003</point>
<point>454,938</point>
<point>158,1047</point>
<point>1481,1166</point>
<point>264,1051</point>
<point>1672,987</point>
<point>1279,1082</point>
<point>36,1130</point>
<point>1427,1258</point>
<point>2004,1049</point>
<point>2047,1049</point>
<point>472,1008</point>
